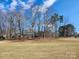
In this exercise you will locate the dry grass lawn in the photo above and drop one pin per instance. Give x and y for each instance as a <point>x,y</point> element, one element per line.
<point>40,49</point>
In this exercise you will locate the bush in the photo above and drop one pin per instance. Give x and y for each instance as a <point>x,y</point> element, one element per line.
<point>2,38</point>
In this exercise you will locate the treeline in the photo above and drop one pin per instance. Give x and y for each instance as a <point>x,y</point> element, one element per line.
<point>17,25</point>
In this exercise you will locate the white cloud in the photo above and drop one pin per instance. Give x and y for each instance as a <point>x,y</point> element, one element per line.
<point>2,7</point>
<point>46,5</point>
<point>13,5</point>
<point>26,5</point>
<point>49,3</point>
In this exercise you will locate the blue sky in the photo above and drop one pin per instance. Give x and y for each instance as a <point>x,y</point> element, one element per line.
<point>68,8</point>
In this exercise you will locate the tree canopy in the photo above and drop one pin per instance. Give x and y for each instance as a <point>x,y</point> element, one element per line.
<point>66,30</point>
